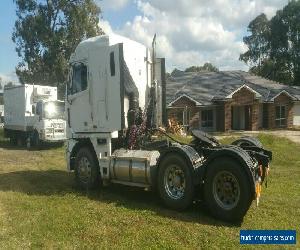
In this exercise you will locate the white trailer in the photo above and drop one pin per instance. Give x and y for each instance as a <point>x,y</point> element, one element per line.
<point>33,114</point>
<point>115,100</point>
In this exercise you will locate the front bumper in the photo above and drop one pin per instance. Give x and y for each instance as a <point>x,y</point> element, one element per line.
<point>51,135</point>
<point>54,138</point>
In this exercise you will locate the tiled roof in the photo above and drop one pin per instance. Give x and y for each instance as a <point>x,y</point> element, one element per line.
<point>207,87</point>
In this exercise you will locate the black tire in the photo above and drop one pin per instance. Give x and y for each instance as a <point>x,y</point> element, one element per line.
<point>229,205</point>
<point>28,142</point>
<point>87,173</point>
<point>168,195</point>
<point>13,140</point>
<point>248,141</point>
<point>35,140</point>
<point>20,140</point>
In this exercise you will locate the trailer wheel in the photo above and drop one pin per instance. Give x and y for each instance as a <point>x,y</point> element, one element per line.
<point>13,140</point>
<point>20,140</point>
<point>35,140</point>
<point>175,184</point>
<point>227,190</point>
<point>87,174</point>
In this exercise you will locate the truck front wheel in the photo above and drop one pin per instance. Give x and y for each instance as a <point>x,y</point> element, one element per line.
<point>175,184</point>
<point>227,190</point>
<point>87,174</point>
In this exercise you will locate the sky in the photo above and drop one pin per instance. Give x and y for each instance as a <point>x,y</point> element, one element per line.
<point>189,32</point>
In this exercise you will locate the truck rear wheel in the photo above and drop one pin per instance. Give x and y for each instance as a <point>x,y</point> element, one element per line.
<point>175,184</point>
<point>87,174</point>
<point>227,190</point>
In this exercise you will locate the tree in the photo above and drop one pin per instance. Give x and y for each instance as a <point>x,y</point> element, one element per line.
<point>168,75</point>
<point>47,32</point>
<point>258,41</point>
<point>291,37</point>
<point>274,45</point>
<point>206,67</point>
<point>1,87</point>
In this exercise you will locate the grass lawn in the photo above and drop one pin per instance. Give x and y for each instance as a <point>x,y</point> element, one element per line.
<point>41,208</point>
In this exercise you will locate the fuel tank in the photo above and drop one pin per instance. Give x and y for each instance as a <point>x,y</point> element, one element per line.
<point>133,165</point>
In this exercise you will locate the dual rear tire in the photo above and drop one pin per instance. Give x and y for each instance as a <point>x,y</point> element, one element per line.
<point>175,183</point>
<point>227,190</point>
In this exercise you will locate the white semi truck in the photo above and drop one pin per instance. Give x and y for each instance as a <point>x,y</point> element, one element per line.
<point>33,114</point>
<point>114,105</point>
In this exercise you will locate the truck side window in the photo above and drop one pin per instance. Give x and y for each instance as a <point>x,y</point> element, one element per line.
<point>112,64</point>
<point>79,79</point>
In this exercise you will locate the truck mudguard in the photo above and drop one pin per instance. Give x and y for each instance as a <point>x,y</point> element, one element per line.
<point>193,159</point>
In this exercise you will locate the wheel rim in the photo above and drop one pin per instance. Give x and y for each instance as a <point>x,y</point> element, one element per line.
<point>174,182</point>
<point>226,190</point>
<point>84,169</point>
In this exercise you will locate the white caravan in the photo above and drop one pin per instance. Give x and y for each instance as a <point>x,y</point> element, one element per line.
<point>33,114</point>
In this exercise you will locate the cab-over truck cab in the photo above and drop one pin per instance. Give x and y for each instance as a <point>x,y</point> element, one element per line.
<point>33,114</point>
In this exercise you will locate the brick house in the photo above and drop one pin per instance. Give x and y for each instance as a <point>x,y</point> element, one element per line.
<point>231,100</point>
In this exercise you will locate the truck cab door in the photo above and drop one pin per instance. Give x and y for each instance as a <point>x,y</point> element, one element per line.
<point>106,92</point>
<point>78,107</point>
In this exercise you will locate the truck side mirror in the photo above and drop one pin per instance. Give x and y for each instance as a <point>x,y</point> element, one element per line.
<point>33,109</point>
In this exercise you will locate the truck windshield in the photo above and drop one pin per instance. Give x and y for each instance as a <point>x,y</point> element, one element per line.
<point>54,110</point>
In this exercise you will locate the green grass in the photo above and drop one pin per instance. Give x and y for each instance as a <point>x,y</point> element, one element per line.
<point>41,208</point>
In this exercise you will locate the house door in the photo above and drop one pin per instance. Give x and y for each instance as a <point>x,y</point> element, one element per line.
<point>238,117</point>
<point>241,117</point>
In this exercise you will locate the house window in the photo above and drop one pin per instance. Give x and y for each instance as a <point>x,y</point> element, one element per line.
<point>79,78</point>
<point>183,117</point>
<point>186,115</point>
<point>280,118</point>
<point>207,118</point>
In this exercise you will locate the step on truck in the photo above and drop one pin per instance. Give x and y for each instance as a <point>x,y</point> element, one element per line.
<point>33,114</point>
<point>115,104</point>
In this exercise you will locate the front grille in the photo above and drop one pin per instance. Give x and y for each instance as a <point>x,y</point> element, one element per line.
<point>59,131</point>
<point>57,125</point>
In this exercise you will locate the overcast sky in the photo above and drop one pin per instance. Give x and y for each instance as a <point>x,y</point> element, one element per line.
<point>189,32</point>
